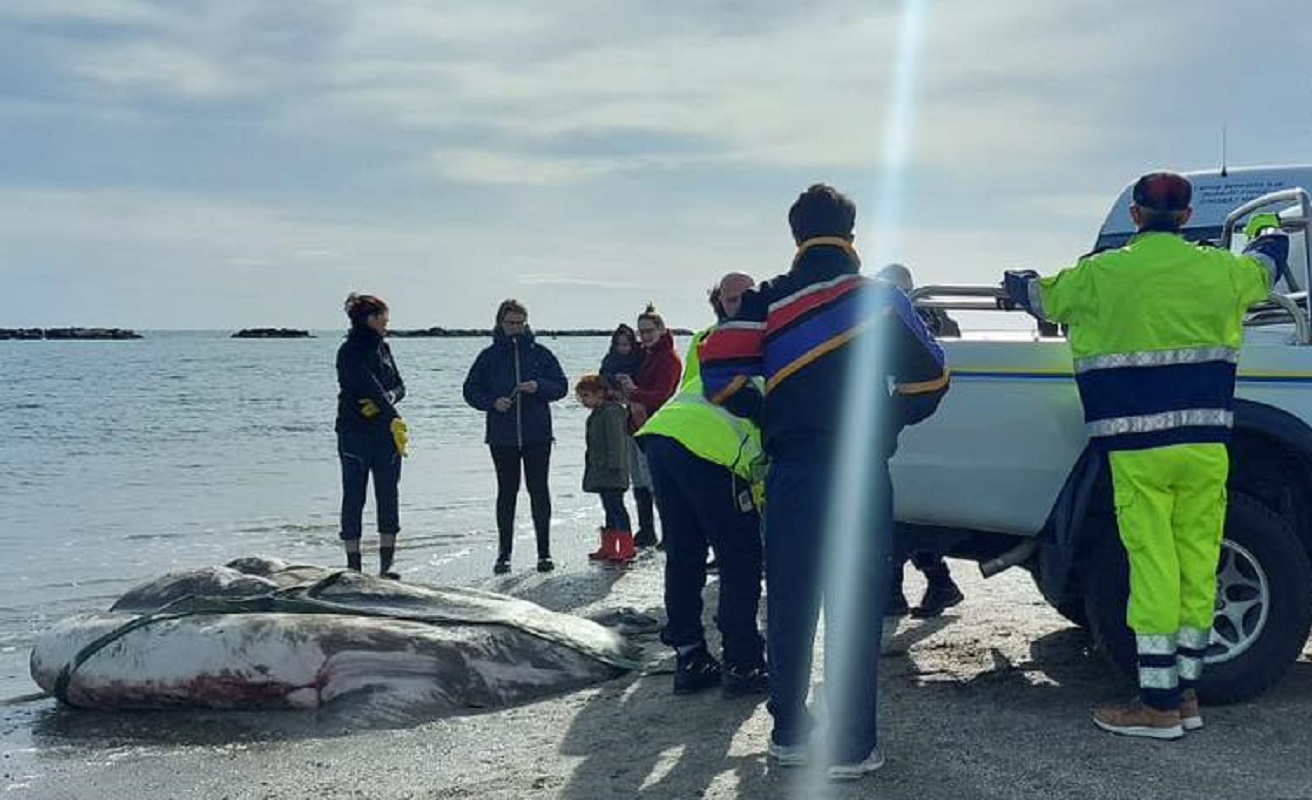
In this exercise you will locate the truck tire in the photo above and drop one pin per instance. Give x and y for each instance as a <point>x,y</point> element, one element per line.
<point>1071,606</point>
<point>1264,606</point>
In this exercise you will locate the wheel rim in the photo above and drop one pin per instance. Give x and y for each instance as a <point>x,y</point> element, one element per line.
<point>1243,600</point>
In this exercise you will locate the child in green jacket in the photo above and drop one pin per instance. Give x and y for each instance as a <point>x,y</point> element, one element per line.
<point>606,466</point>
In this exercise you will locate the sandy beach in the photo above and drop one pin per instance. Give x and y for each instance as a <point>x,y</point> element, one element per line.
<point>991,700</point>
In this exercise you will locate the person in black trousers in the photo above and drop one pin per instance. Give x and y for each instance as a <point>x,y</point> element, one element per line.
<point>941,592</point>
<point>514,381</point>
<point>371,435</point>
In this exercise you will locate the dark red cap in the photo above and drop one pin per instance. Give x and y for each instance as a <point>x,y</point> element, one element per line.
<point>1163,191</point>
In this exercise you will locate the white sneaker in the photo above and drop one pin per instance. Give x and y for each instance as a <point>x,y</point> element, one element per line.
<point>852,772</point>
<point>788,755</point>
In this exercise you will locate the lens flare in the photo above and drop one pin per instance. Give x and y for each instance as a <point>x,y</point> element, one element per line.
<point>859,549</point>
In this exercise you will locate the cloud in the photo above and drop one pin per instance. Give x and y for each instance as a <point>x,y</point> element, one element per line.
<point>155,67</point>
<point>472,165</point>
<point>108,12</point>
<point>618,282</point>
<point>594,153</point>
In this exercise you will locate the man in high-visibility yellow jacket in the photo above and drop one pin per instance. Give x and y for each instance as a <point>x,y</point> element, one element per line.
<point>1155,331</point>
<point>704,461</point>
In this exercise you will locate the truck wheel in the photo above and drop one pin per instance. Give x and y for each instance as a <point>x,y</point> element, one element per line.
<point>1263,610</point>
<point>1071,606</point>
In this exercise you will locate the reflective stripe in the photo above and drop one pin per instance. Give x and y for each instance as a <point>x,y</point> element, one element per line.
<point>1268,263</point>
<point>809,290</point>
<point>1155,645</point>
<point>1194,638</point>
<point>1157,358</point>
<point>741,325</point>
<point>1158,677</point>
<point>1035,293</point>
<point>1165,421</point>
<point>1191,669</point>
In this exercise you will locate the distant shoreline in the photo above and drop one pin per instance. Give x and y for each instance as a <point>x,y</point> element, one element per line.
<point>118,334</point>
<point>67,334</point>
<point>472,333</point>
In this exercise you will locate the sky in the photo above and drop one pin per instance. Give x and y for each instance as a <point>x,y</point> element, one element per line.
<point>190,164</point>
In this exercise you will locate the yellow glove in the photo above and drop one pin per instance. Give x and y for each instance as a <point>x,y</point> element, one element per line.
<point>369,408</point>
<point>399,435</point>
<point>1260,222</point>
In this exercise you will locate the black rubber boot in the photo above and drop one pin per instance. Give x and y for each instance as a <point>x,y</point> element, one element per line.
<point>387,555</point>
<point>646,533</point>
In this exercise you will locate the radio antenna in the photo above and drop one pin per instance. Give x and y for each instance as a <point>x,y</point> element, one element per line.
<point>1224,163</point>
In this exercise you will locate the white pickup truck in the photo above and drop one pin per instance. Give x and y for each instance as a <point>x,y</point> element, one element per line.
<point>1001,473</point>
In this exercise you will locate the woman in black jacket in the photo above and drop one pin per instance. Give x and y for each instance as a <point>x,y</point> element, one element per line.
<point>371,435</point>
<point>513,380</point>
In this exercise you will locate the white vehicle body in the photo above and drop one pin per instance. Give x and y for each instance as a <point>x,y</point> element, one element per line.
<point>1011,428</point>
<point>1002,474</point>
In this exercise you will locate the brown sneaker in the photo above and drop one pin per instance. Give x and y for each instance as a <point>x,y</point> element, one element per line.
<point>1136,719</point>
<point>1191,716</point>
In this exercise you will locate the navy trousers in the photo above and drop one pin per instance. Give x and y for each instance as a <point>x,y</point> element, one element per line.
<point>810,562</point>
<point>703,504</point>
<point>362,453</point>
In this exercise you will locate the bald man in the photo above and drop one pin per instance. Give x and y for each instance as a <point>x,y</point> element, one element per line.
<point>703,462</point>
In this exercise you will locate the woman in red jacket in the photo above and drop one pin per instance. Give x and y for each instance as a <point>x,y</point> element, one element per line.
<point>656,382</point>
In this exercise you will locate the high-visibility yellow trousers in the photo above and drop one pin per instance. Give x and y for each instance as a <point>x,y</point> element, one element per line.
<point>1170,509</point>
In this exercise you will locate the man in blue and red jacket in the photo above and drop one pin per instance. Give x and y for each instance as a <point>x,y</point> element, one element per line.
<point>837,351</point>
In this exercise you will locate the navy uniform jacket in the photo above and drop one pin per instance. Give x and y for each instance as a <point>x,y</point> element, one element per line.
<point>798,332</point>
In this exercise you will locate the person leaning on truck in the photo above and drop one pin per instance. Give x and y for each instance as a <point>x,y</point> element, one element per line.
<point>941,592</point>
<point>800,332</point>
<point>1155,331</point>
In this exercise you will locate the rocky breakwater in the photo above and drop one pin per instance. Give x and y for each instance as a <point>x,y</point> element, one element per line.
<point>68,333</point>
<point>271,333</point>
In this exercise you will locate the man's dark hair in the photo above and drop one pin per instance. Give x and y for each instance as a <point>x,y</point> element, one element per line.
<point>1162,198</point>
<point>360,307</point>
<point>821,210</point>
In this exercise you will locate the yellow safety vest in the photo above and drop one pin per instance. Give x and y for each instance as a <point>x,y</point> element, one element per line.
<point>705,429</point>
